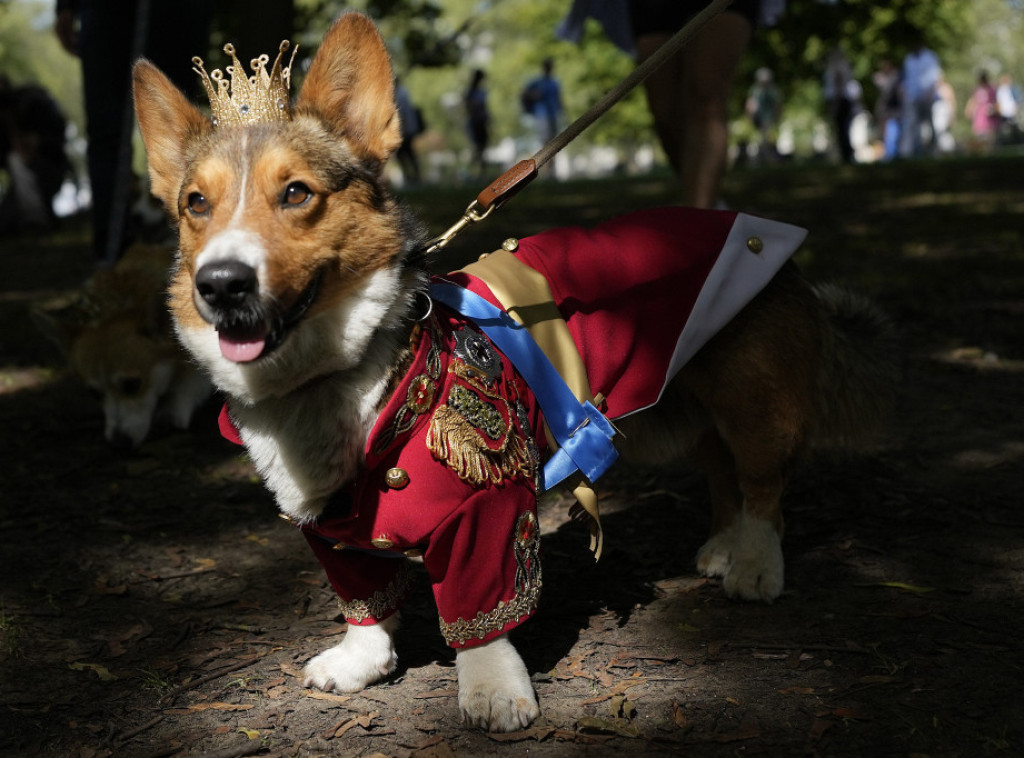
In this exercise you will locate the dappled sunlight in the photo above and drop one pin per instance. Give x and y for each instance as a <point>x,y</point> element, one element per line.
<point>978,202</point>
<point>978,358</point>
<point>1010,451</point>
<point>17,378</point>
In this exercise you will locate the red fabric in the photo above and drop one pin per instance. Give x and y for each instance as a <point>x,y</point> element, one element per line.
<point>467,533</point>
<point>625,290</point>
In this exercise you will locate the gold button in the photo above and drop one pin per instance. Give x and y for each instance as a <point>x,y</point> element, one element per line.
<point>755,245</point>
<point>396,478</point>
<point>413,553</point>
<point>338,546</point>
<point>382,542</point>
<point>510,245</point>
<point>482,256</point>
<point>286,517</point>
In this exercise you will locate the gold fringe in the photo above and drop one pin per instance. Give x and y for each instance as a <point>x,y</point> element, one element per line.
<point>456,442</point>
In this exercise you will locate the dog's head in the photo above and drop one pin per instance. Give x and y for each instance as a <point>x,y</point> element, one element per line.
<point>292,253</point>
<point>116,339</point>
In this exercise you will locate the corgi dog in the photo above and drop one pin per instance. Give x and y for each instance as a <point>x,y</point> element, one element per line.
<point>388,423</point>
<point>118,339</point>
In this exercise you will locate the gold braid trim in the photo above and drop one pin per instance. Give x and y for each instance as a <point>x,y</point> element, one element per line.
<point>382,602</point>
<point>459,425</point>
<point>461,630</point>
<point>456,442</point>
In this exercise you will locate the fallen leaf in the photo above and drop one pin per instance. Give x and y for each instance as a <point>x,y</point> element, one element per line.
<point>435,693</point>
<point>101,671</point>
<point>620,707</point>
<point>679,716</point>
<point>797,691</point>
<point>252,734</point>
<point>343,728</point>
<point>714,648</point>
<point>318,695</point>
<point>904,586</point>
<point>218,706</point>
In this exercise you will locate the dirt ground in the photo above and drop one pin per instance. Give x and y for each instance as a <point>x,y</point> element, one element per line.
<point>154,605</point>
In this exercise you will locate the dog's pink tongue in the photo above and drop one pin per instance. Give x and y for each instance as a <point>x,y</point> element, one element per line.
<point>241,350</point>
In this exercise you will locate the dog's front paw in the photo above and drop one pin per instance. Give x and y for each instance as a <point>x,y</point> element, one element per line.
<point>366,655</point>
<point>494,688</point>
<point>748,558</point>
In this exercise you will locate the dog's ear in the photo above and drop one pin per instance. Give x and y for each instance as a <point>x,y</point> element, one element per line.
<point>351,85</point>
<point>168,121</point>
<point>60,325</point>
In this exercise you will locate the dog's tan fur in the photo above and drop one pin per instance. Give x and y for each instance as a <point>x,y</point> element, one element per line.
<point>302,204</point>
<point>118,339</point>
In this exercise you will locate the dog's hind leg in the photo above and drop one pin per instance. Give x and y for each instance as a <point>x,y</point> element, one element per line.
<point>745,548</point>
<point>364,656</point>
<point>494,687</point>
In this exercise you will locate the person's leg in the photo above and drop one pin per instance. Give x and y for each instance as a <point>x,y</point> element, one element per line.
<point>689,98</point>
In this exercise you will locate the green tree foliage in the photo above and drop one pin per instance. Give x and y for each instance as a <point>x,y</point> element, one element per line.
<point>31,54</point>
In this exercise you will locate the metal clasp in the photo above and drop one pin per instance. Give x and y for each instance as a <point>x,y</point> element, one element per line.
<point>471,216</point>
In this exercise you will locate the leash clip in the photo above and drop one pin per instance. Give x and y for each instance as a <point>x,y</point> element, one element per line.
<point>471,216</point>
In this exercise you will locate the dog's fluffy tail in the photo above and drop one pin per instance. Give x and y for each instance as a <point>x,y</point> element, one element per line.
<point>861,369</point>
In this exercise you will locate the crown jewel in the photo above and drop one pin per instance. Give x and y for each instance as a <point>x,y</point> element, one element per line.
<point>244,100</point>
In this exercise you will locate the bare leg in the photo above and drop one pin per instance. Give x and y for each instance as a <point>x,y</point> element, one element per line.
<point>689,97</point>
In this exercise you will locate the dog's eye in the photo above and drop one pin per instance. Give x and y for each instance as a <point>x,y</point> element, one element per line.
<point>198,204</point>
<point>129,385</point>
<point>296,193</point>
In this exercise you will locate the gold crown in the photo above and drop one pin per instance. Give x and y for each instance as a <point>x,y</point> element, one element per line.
<point>246,100</point>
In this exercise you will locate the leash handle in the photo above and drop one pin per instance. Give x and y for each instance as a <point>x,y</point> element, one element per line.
<point>505,186</point>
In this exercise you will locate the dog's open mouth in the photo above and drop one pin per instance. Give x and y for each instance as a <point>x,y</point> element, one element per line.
<point>242,346</point>
<point>241,341</point>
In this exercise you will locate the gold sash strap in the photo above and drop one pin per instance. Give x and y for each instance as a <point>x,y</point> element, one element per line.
<point>525,294</point>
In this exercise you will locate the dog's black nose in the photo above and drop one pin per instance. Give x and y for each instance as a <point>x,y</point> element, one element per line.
<point>226,284</point>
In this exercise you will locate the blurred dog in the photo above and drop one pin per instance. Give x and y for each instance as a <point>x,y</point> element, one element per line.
<point>118,339</point>
<point>387,424</point>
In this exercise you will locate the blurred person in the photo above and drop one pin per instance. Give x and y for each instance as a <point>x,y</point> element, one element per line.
<point>688,96</point>
<point>542,99</point>
<point>763,107</point>
<point>842,95</point>
<point>1008,104</point>
<point>983,113</point>
<point>32,135</point>
<point>944,116</point>
<point>887,108</point>
<point>478,119</point>
<point>108,35</point>
<point>921,73</point>
<point>411,121</point>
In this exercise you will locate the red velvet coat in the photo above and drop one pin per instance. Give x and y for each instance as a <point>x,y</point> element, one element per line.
<point>452,462</point>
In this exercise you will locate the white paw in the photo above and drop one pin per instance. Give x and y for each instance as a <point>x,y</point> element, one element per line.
<point>364,656</point>
<point>748,557</point>
<point>494,688</point>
